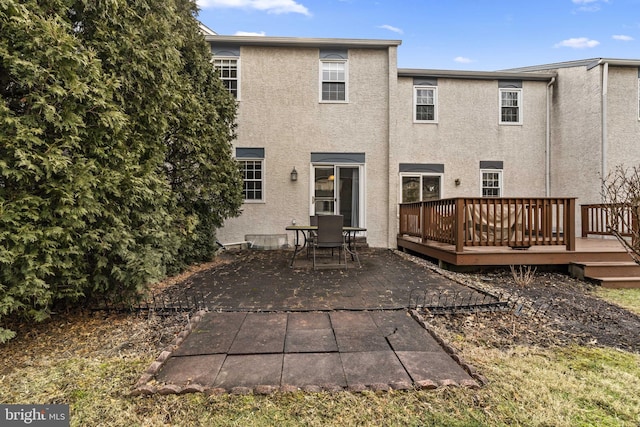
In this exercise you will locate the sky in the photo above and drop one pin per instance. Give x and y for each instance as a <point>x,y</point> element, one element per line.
<point>480,35</point>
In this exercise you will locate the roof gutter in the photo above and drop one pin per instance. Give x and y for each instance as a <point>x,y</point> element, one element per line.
<point>476,75</point>
<point>302,42</point>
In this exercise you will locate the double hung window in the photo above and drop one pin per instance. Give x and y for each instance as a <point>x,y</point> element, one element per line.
<point>425,104</point>
<point>251,162</point>
<point>510,106</point>
<point>252,187</point>
<point>333,81</point>
<point>491,183</point>
<point>229,72</point>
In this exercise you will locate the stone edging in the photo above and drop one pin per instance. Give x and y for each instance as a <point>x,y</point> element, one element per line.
<point>451,351</point>
<point>145,384</point>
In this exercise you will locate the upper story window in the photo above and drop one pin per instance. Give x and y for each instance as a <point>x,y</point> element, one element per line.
<point>638,93</point>
<point>425,99</point>
<point>229,72</point>
<point>510,102</point>
<point>226,60</point>
<point>252,163</point>
<point>334,72</point>
<point>334,81</point>
<point>425,104</point>
<point>510,106</point>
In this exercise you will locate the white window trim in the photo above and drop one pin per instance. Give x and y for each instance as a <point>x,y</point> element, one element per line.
<point>263,180</point>
<point>420,175</point>
<point>639,98</point>
<point>346,81</point>
<point>500,181</point>
<point>435,104</point>
<point>520,104</point>
<point>238,66</point>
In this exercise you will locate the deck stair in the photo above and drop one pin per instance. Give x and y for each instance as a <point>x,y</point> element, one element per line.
<point>609,274</point>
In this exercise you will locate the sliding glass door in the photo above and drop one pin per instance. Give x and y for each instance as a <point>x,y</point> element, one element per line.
<point>338,190</point>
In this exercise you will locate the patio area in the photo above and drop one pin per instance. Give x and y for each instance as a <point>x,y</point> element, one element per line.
<point>268,327</point>
<point>263,281</point>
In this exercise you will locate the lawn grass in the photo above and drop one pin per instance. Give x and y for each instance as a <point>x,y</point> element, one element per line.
<point>626,298</point>
<point>564,386</point>
<point>92,363</point>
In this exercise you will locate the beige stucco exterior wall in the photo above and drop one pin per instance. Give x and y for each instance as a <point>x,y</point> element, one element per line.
<point>467,132</point>
<point>623,126</point>
<point>279,110</point>
<point>576,135</point>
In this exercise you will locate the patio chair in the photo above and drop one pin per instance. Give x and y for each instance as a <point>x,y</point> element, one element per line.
<point>330,236</point>
<point>313,220</point>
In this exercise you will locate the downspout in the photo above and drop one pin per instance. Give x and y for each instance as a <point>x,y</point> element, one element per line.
<point>547,178</point>
<point>605,84</point>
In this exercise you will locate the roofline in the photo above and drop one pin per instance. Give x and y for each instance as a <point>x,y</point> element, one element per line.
<point>302,42</point>
<point>479,75</point>
<point>206,31</point>
<point>589,63</point>
<point>615,62</point>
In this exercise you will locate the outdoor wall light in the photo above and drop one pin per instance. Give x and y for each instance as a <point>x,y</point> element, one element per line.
<point>457,181</point>
<point>294,174</point>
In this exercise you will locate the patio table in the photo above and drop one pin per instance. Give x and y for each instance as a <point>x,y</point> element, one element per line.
<point>301,242</point>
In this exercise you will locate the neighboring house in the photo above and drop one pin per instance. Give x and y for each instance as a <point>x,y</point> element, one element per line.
<point>364,136</point>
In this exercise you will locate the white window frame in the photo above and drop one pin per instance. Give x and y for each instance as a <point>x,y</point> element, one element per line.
<point>500,182</point>
<point>415,104</point>
<point>237,79</point>
<point>519,106</point>
<point>345,81</point>
<point>638,97</point>
<point>421,176</point>
<point>261,180</point>
<point>362,189</point>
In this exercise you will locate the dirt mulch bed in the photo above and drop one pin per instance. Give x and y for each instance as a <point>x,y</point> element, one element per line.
<point>554,309</point>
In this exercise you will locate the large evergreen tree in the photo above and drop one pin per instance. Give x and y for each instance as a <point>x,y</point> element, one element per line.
<point>115,159</point>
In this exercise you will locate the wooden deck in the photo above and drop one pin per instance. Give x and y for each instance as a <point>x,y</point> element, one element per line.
<point>586,250</point>
<point>511,231</point>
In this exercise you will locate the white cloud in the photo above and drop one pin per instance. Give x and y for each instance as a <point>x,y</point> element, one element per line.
<point>249,33</point>
<point>578,43</point>
<point>270,6</point>
<point>589,5</point>
<point>622,37</point>
<point>463,60</point>
<point>391,28</point>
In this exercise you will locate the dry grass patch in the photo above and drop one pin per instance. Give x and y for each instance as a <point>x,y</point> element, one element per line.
<point>91,362</point>
<point>625,298</point>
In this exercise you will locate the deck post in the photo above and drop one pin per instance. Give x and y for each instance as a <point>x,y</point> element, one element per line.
<point>584,215</point>
<point>423,222</point>
<point>458,231</point>
<point>570,224</point>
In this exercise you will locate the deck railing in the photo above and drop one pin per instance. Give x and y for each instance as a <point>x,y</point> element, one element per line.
<point>599,219</point>
<point>514,222</point>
